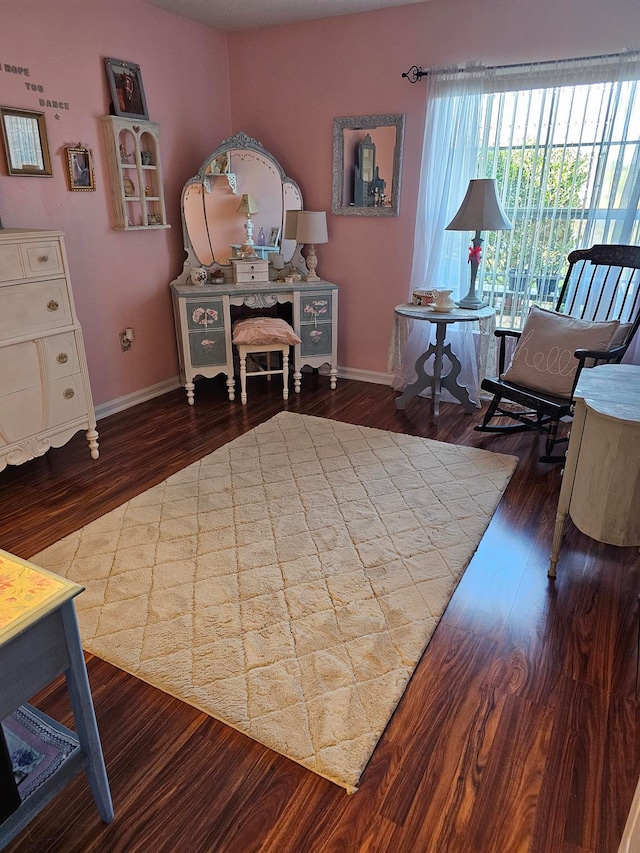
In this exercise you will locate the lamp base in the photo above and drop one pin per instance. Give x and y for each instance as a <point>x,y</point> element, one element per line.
<point>472,302</point>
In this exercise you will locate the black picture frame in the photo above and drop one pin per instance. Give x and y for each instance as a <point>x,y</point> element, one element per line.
<point>127,92</point>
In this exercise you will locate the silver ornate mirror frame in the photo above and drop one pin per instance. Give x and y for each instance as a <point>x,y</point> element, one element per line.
<point>219,168</point>
<point>370,124</point>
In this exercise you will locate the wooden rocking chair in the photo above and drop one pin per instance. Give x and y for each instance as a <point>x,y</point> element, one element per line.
<point>602,285</point>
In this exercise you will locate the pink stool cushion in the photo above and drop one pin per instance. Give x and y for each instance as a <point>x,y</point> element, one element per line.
<point>264,330</point>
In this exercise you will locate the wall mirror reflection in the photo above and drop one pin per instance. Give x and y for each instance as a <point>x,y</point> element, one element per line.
<point>214,225</point>
<point>25,142</point>
<point>367,162</point>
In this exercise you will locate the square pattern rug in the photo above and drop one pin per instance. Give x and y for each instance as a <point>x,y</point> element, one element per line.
<point>288,583</point>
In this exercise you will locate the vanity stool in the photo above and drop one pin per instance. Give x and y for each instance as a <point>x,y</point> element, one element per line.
<point>264,335</point>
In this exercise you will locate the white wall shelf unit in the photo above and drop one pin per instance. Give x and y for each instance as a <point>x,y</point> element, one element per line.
<point>133,152</point>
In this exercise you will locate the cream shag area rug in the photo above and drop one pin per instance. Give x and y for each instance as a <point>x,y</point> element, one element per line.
<point>288,583</point>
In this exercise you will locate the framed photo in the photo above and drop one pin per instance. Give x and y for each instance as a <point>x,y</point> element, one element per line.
<point>25,142</point>
<point>274,237</point>
<point>80,165</point>
<point>127,91</point>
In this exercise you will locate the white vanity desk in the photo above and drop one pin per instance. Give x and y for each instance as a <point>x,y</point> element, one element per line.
<point>204,314</point>
<point>203,326</point>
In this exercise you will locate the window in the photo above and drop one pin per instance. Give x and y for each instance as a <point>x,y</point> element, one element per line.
<point>563,141</point>
<point>566,161</point>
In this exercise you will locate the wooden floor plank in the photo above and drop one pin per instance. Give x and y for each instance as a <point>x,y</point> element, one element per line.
<point>518,731</point>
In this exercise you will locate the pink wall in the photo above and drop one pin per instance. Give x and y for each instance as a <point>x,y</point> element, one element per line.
<point>281,85</point>
<point>352,65</point>
<point>119,279</point>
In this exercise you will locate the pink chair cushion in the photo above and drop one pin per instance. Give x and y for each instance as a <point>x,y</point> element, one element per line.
<point>264,330</point>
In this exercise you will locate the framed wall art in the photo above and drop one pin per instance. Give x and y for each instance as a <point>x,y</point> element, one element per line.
<point>127,91</point>
<point>274,237</point>
<point>25,142</point>
<point>80,166</point>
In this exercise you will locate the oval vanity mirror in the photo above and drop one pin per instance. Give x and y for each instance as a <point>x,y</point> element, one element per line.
<point>367,161</point>
<point>213,227</point>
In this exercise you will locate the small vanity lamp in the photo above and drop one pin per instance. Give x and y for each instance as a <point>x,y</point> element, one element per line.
<point>248,206</point>
<point>312,229</point>
<point>481,210</point>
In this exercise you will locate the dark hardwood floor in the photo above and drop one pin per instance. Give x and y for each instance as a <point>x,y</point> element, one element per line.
<point>518,732</point>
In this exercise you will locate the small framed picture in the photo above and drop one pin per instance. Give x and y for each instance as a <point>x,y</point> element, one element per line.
<point>127,91</point>
<point>80,166</point>
<point>25,143</point>
<point>274,237</point>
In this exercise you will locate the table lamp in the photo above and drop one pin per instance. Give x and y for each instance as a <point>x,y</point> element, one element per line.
<point>481,210</point>
<point>248,206</point>
<point>312,229</point>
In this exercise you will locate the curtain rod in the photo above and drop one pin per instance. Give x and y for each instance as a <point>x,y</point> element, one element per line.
<point>416,73</point>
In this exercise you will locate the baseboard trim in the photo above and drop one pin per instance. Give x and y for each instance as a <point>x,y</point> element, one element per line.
<point>365,375</point>
<point>144,394</point>
<point>141,396</point>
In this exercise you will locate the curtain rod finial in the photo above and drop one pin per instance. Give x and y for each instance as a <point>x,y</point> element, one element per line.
<point>414,74</point>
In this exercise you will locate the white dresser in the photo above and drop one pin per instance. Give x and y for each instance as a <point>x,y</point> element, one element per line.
<point>45,396</point>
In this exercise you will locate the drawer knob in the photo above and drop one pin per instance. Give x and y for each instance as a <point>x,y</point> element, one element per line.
<point>52,305</point>
<point>68,393</point>
<point>62,358</point>
<point>43,259</point>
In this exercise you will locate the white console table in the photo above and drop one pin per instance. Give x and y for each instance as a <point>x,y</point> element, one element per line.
<point>203,321</point>
<point>601,482</point>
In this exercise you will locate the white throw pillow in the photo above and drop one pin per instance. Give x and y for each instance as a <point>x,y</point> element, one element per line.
<point>544,357</point>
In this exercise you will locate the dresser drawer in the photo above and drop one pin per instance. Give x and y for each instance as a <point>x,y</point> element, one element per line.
<point>244,272</point>
<point>32,410</point>
<point>316,339</point>
<point>42,258</point>
<point>207,349</point>
<point>30,260</point>
<point>34,362</point>
<point>204,314</point>
<point>33,307</point>
<point>66,400</point>
<point>315,307</point>
<point>10,262</point>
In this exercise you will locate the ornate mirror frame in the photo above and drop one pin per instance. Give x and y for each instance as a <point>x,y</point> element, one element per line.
<point>222,174</point>
<point>365,124</point>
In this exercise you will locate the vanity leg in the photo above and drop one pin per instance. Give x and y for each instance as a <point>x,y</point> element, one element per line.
<point>333,376</point>
<point>268,366</point>
<point>189,387</point>
<point>285,376</point>
<point>297,380</point>
<point>231,388</point>
<point>92,438</point>
<point>243,378</point>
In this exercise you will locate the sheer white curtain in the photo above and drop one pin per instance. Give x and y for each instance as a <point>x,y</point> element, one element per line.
<point>449,161</point>
<point>563,140</point>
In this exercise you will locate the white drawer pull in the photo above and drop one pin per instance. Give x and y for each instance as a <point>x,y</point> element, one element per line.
<point>68,393</point>
<point>52,305</point>
<point>62,358</point>
<point>43,259</point>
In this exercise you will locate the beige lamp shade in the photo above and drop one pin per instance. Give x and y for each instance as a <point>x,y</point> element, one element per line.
<point>248,205</point>
<point>312,227</point>
<point>291,224</point>
<point>481,209</point>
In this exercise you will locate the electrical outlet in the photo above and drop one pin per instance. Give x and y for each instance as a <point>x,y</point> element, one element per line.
<point>125,341</point>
